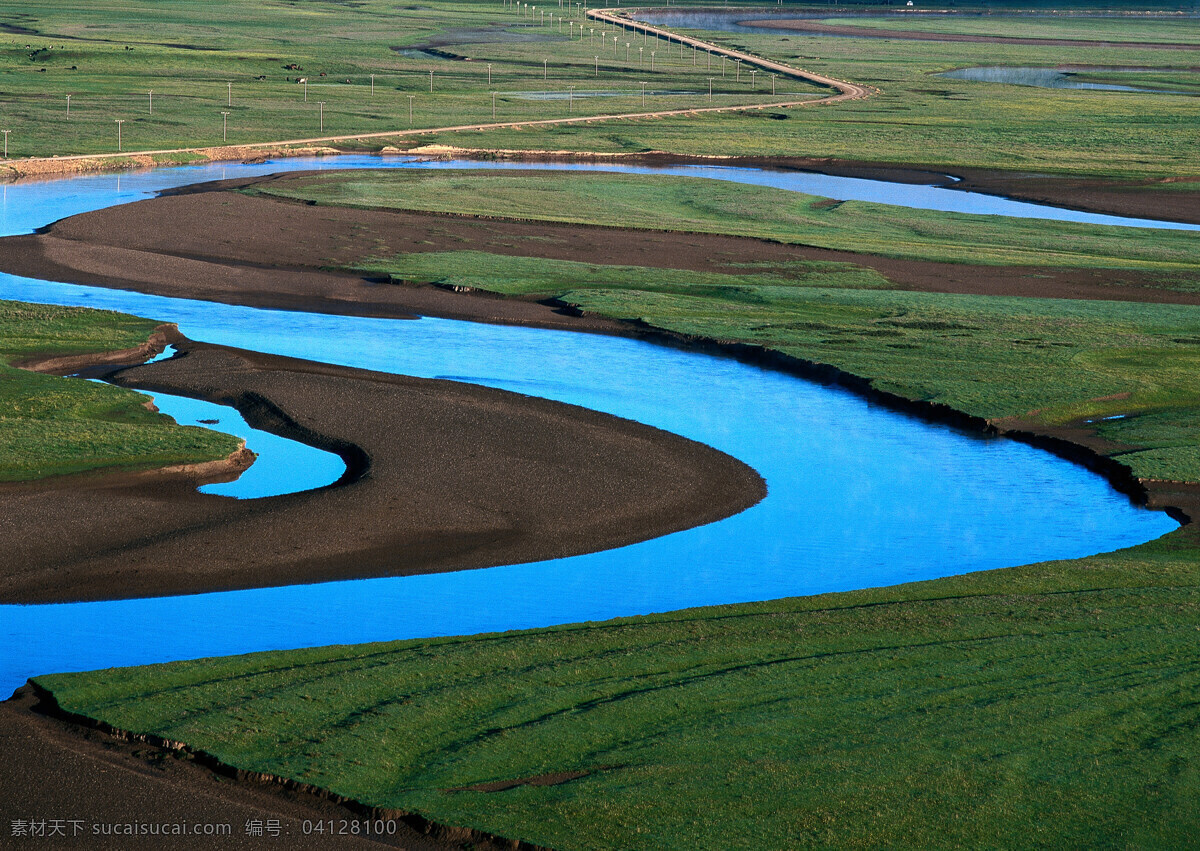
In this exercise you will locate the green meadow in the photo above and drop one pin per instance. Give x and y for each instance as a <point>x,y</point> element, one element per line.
<point>53,426</point>
<point>170,71</point>
<point>203,59</point>
<point>1043,706</point>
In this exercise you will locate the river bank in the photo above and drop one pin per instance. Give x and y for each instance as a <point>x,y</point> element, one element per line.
<point>1170,199</point>
<point>482,477</point>
<point>204,242</point>
<point>213,243</point>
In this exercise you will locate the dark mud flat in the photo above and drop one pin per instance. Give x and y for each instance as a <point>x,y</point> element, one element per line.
<point>442,476</point>
<point>223,246</point>
<point>92,781</point>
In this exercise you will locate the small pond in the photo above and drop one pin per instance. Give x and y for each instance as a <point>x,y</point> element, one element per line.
<point>1044,78</point>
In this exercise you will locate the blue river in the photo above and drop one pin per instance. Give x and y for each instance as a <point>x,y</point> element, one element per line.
<point>859,496</point>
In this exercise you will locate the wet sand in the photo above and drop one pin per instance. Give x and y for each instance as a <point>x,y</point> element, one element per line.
<point>266,252</point>
<point>55,769</point>
<point>441,476</point>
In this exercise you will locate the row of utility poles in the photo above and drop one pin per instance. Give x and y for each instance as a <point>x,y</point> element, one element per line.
<point>575,32</point>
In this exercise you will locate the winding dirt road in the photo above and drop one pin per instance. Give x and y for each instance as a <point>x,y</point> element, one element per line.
<point>845,91</point>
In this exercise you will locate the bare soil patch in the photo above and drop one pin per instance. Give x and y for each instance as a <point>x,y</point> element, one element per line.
<point>56,769</point>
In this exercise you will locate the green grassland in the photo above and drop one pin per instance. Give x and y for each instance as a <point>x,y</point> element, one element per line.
<point>706,206</point>
<point>53,426</point>
<point>109,58</point>
<point>541,278</point>
<point>922,118</point>
<point>1043,706</point>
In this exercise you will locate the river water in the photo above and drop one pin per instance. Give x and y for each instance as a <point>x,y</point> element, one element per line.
<point>858,496</point>
<point>1043,78</point>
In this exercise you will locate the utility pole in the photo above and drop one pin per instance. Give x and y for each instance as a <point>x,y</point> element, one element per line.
<point>493,106</point>
<point>410,100</point>
<point>224,126</point>
<point>372,84</point>
<point>597,66</point>
<point>489,73</point>
<point>643,94</point>
<point>652,60</point>
<point>545,70</point>
<point>68,106</point>
<point>710,79</point>
<point>321,106</point>
<point>431,80</point>
<point>152,101</point>
<point>119,121</point>
<point>773,76</point>
<point>570,98</point>
<point>229,94</point>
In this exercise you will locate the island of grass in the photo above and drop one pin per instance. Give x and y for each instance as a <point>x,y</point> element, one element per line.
<point>52,426</point>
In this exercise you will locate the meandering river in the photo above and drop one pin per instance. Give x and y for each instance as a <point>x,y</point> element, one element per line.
<point>858,496</point>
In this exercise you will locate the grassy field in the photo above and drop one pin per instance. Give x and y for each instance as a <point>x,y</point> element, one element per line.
<point>1042,706</point>
<point>52,426</point>
<point>700,205</point>
<point>927,119</point>
<point>109,59</point>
